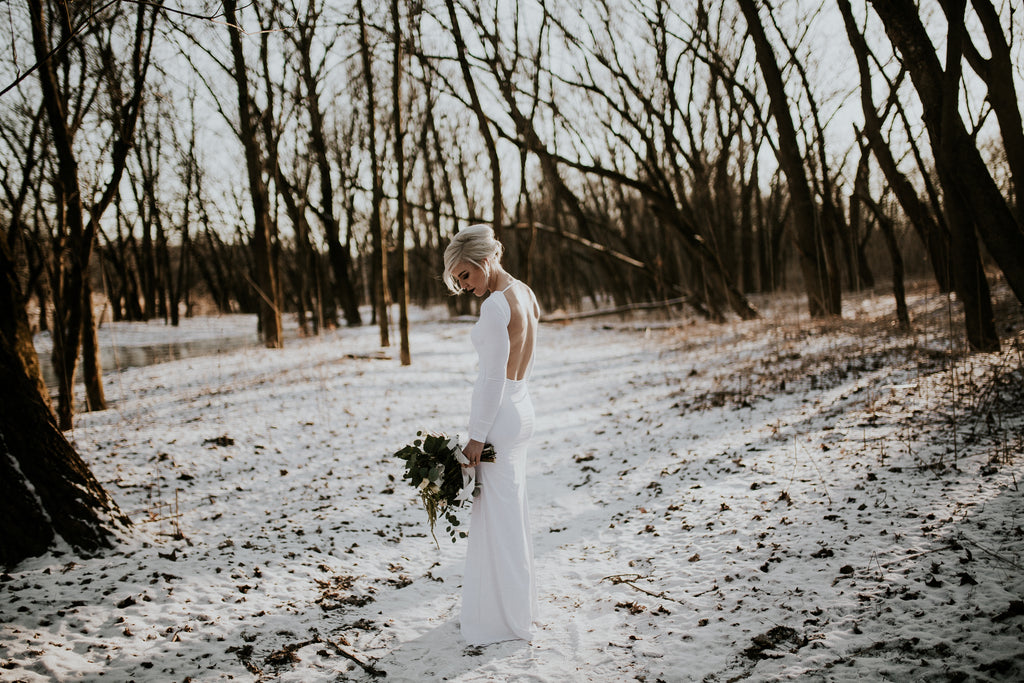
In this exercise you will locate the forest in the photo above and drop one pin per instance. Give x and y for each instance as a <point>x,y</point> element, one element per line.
<point>309,158</point>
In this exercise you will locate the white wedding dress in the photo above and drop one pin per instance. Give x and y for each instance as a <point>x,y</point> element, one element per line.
<point>499,597</point>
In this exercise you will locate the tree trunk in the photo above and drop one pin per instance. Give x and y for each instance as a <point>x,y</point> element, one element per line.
<point>969,277</point>
<point>73,255</point>
<point>380,242</point>
<point>305,271</point>
<point>403,256</point>
<point>46,490</point>
<point>818,281</point>
<point>747,245</point>
<point>15,331</point>
<point>180,285</point>
<point>969,271</point>
<point>965,178</point>
<point>148,269</point>
<point>69,266</point>
<point>885,225</point>
<point>92,369</point>
<point>344,290</point>
<point>998,73</point>
<point>935,239</point>
<point>263,263</point>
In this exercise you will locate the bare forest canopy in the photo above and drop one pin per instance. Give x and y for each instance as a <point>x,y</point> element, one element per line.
<point>310,157</point>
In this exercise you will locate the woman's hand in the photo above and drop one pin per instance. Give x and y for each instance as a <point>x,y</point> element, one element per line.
<point>473,450</point>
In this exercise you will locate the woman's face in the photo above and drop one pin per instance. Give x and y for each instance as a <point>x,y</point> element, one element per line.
<point>471,278</point>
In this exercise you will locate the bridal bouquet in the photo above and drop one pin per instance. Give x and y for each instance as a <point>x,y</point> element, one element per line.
<point>433,464</point>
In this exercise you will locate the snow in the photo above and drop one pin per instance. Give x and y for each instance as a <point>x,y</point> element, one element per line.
<point>763,500</point>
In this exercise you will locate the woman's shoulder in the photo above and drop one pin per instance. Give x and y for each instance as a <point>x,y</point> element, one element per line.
<point>496,305</point>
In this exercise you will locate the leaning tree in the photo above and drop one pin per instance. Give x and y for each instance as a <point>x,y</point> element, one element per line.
<point>46,489</point>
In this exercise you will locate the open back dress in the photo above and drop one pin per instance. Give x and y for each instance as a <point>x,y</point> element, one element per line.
<point>499,596</point>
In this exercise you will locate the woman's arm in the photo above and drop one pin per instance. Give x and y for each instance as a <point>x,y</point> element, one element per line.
<point>490,382</point>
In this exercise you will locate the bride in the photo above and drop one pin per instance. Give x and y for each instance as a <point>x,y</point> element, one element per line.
<point>499,596</point>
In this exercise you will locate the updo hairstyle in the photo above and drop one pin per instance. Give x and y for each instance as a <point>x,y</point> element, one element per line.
<point>473,244</point>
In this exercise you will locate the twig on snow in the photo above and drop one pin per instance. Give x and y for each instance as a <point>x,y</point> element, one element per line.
<point>368,667</point>
<point>994,554</point>
<point>628,579</point>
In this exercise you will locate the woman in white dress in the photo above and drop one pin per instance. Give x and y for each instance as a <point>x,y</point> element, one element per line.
<point>499,597</point>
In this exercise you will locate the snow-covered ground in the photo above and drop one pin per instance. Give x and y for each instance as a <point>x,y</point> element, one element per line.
<point>770,500</point>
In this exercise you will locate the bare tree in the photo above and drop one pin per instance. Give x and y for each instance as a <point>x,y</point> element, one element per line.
<point>307,28</point>
<point>46,490</point>
<point>189,170</point>
<point>998,74</point>
<point>971,198</point>
<point>76,221</point>
<point>666,143</point>
<point>821,286</point>
<point>483,122</point>
<point>266,275</point>
<point>377,230</point>
<point>931,233</point>
<point>403,257</point>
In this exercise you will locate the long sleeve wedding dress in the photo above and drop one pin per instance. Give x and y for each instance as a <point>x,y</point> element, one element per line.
<point>499,599</point>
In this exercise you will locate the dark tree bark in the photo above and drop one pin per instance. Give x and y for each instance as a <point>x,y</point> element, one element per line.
<point>15,330</point>
<point>266,275</point>
<point>860,226</point>
<point>67,276</point>
<point>403,256</point>
<point>818,282</point>
<point>935,239</point>
<point>145,200</point>
<point>126,246</point>
<point>998,73</point>
<point>830,218</point>
<point>212,266</point>
<point>888,230</point>
<point>747,243</point>
<point>966,180</point>
<point>306,272</point>
<point>181,282</point>
<point>73,258</point>
<point>380,242</point>
<point>46,490</point>
<point>968,269</point>
<point>14,321</point>
<point>92,369</point>
<point>482,121</point>
<point>340,259</point>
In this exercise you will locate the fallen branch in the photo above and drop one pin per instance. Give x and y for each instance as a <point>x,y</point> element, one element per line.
<point>992,553</point>
<point>368,667</point>
<point>628,579</point>
<point>565,317</point>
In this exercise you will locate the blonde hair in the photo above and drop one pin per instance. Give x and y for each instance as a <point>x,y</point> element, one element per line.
<point>473,244</point>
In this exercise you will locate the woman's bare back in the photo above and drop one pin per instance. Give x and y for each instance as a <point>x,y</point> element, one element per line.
<point>522,329</point>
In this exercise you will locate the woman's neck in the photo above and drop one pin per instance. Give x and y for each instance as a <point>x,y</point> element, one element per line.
<point>499,280</point>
